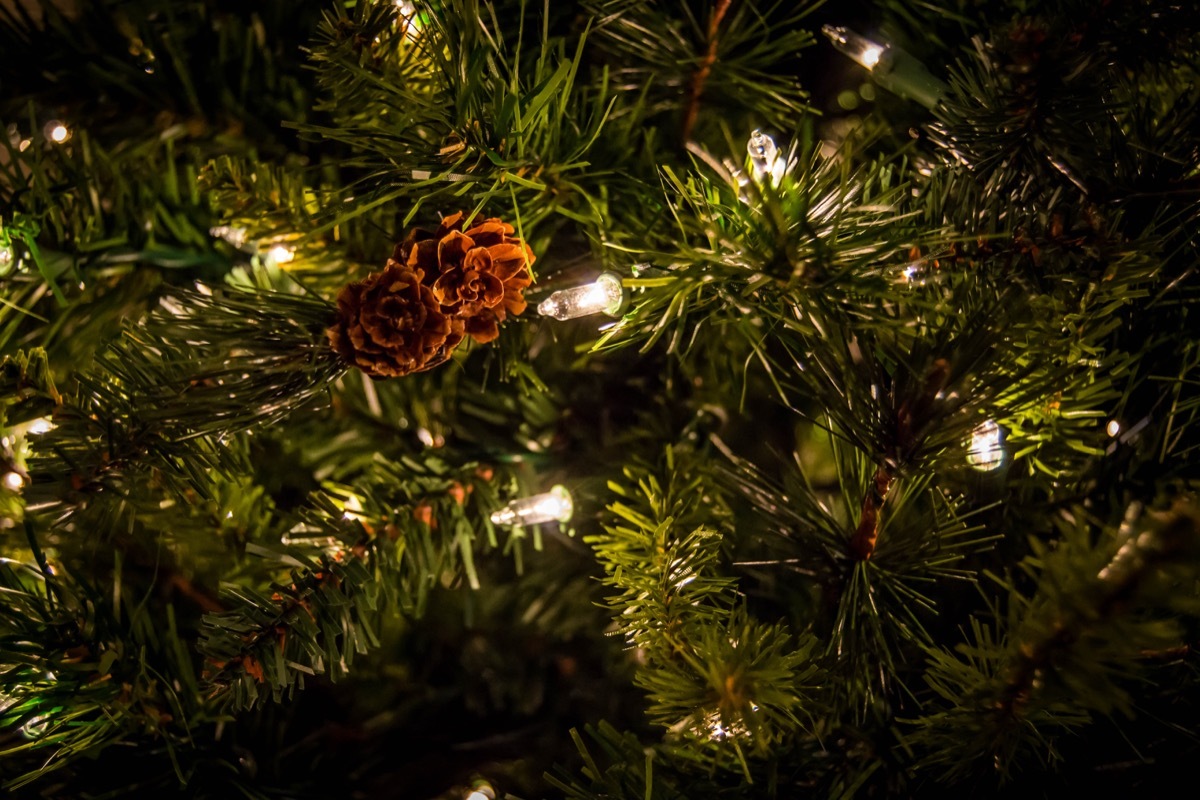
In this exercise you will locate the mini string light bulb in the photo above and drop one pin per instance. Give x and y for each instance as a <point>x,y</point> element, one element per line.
<point>56,131</point>
<point>858,47</point>
<point>13,481</point>
<point>605,295</point>
<point>552,506</point>
<point>764,156</point>
<point>985,452</point>
<point>890,67</point>
<point>1113,427</point>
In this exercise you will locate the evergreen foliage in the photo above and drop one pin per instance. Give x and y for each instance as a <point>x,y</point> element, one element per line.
<point>230,565</point>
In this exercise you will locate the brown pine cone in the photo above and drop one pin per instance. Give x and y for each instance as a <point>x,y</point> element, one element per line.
<point>478,276</point>
<point>390,324</point>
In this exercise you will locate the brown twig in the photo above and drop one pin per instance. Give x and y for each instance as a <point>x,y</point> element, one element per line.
<point>909,426</point>
<point>700,76</point>
<point>867,533</point>
<point>201,596</point>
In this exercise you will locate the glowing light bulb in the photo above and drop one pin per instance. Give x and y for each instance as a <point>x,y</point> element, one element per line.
<point>280,254</point>
<point>858,47</point>
<point>985,451</point>
<point>764,156</point>
<point>6,258</point>
<point>482,790</point>
<point>604,296</point>
<point>553,506</point>
<point>761,148</point>
<point>41,425</point>
<point>56,131</point>
<point>1113,427</point>
<point>13,480</point>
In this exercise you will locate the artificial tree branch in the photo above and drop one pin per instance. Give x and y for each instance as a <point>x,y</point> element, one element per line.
<point>700,76</point>
<point>866,535</point>
<point>1139,558</point>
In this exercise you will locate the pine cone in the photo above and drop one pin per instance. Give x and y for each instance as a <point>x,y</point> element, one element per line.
<point>390,324</point>
<point>478,276</point>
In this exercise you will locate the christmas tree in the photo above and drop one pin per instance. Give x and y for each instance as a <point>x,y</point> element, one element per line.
<point>603,399</point>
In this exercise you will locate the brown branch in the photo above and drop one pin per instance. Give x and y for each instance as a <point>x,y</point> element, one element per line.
<point>201,596</point>
<point>700,76</point>
<point>909,425</point>
<point>866,535</point>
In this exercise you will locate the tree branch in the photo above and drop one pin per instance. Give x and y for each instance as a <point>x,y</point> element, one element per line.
<point>700,76</point>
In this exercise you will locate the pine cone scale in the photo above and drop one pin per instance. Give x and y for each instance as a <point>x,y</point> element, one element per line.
<point>437,288</point>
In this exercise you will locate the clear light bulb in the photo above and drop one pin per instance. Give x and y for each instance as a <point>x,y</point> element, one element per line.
<point>604,296</point>
<point>764,156</point>
<point>858,47</point>
<point>985,451</point>
<point>761,148</point>
<point>552,506</point>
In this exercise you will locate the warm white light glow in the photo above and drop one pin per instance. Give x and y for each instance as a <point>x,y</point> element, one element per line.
<point>57,132</point>
<point>858,47</point>
<point>353,507</point>
<point>870,56</point>
<point>429,438</point>
<point>280,254</point>
<point>13,480</point>
<point>1113,427</point>
<point>604,296</point>
<point>481,791</point>
<point>985,451</point>
<point>715,729</point>
<point>407,19</point>
<point>234,235</point>
<point>765,157</point>
<point>41,425</point>
<point>553,506</point>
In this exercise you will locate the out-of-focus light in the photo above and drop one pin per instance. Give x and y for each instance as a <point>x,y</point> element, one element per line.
<point>56,131</point>
<point>280,254</point>
<point>13,480</point>
<point>353,507</point>
<point>41,425</point>
<point>985,452</point>
<point>1113,427</point>
<point>234,235</point>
